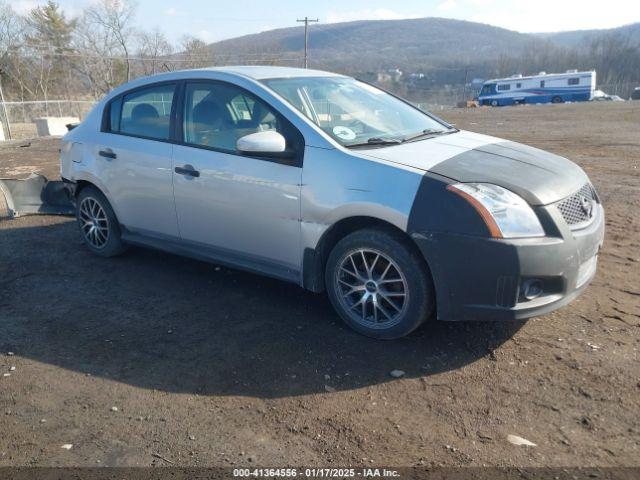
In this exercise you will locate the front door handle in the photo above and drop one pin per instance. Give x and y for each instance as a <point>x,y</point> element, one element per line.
<point>187,170</point>
<point>107,154</point>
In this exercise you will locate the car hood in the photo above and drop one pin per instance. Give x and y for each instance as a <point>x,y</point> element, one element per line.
<point>537,176</point>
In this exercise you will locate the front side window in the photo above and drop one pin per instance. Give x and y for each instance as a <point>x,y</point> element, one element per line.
<point>353,112</point>
<point>144,113</point>
<point>505,86</point>
<point>216,115</point>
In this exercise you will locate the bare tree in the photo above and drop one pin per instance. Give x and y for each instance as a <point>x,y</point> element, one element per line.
<point>95,61</point>
<point>10,28</point>
<point>153,50</point>
<point>115,18</point>
<point>11,61</point>
<point>195,52</point>
<point>103,40</point>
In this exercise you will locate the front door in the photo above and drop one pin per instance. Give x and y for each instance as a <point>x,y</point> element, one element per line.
<point>246,209</point>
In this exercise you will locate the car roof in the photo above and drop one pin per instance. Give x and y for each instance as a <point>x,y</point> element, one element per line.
<point>255,73</point>
<point>259,72</point>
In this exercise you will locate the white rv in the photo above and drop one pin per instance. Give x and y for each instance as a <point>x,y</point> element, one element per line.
<point>572,86</point>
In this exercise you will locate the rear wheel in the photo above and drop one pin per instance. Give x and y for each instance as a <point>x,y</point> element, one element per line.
<point>98,224</point>
<point>556,99</point>
<point>378,284</point>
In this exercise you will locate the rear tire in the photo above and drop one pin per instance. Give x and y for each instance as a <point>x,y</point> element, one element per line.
<point>98,224</point>
<point>379,285</point>
<point>557,100</point>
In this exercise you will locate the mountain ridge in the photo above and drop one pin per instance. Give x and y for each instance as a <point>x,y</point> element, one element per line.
<point>409,44</point>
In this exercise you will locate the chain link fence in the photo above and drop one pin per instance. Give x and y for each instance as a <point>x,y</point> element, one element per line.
<point>18,117</point>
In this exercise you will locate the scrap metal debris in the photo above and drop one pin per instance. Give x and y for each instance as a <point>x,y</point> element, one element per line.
<point>35,195</point>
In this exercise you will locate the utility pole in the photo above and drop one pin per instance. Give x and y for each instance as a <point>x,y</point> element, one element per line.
<point>464,87</point>
<point>306,21</point>
<point>4,108</point>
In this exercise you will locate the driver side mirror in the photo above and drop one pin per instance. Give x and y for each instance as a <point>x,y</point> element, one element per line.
<point>267,143</point>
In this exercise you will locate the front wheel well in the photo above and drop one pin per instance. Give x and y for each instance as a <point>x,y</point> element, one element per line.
<point>315,260</point>
<point>81,185</point>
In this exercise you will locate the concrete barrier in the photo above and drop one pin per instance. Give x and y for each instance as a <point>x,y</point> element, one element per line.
<point>47,126</point>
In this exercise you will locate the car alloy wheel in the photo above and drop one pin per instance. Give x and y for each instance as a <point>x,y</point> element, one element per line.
<point>371,288</point>
<point>94,223</point>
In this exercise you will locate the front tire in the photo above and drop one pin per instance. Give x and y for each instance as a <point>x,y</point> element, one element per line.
<point>379,284</point>
<point>98,224</point>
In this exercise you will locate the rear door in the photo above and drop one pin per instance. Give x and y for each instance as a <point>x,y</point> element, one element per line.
<point>246,209</point>
<point>133,160</point>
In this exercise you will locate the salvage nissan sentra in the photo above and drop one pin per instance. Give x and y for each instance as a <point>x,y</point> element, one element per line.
<point>338,186</point>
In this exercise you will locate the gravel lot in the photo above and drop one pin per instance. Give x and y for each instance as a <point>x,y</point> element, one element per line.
<point>152,359</point>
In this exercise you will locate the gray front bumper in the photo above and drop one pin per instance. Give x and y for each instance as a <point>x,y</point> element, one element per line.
<point>479,278</point>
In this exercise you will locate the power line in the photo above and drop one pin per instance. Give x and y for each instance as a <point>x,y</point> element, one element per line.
<point>306,21</point>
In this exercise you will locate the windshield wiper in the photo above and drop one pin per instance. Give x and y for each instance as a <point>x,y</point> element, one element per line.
<point>376,141</point>
<point>427,132</point>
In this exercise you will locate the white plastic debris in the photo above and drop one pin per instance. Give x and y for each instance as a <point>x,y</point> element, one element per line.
<point>397,373</point>
<point>516,440</point>
<point>114,409</point>
<point>67,446</point>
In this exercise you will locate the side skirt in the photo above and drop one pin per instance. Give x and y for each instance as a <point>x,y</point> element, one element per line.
<point>210,254</point>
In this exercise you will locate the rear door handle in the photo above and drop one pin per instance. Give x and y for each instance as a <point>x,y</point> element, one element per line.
<point>187,170</point>
<point>107,154</point>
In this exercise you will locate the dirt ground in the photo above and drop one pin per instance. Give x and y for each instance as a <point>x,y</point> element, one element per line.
<point>153,359</point>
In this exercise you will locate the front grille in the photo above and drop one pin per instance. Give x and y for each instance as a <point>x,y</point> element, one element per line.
<point>579,208</point>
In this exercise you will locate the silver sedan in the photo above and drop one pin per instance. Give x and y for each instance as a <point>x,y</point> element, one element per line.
<point>331,183</point>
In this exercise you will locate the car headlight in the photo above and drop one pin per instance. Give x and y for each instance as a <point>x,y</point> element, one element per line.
<point>506,214</point>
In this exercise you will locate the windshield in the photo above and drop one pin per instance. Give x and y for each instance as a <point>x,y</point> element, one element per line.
<point>486,90</point>
<point>355,113</point>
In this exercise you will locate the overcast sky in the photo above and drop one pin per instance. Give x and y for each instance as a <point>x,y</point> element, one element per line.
<point>213,20</point>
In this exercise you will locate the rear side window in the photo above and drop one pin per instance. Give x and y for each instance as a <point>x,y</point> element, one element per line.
<point>574,81</point>
<point>143,113</point>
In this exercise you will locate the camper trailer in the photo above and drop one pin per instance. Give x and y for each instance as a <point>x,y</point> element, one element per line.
<point>572,86</point>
